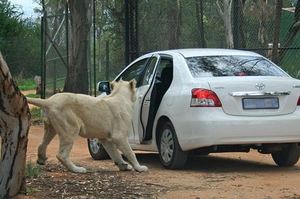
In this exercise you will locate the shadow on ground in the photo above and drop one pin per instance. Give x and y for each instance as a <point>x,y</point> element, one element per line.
<point>211,163</point>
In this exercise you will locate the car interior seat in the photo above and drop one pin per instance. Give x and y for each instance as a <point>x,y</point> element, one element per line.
<point>166,76</point>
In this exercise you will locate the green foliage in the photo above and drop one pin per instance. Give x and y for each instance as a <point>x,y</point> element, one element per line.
<point>290,62</point>
<point>32,170</point>
<point>19,41</point>
<point>25,84</point>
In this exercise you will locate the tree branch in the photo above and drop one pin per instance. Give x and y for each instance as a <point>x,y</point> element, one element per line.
<point>230,4</point>
<point>221,12</point>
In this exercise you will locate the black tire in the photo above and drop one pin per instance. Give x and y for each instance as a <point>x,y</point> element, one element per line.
<point>288,156</point>
<point>97,150</point>
<point>175,158</point>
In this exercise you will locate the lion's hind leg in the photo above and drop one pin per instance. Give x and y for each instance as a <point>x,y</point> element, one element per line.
<point>67,129</point>
<point>49,134</point>
<point>65,147</point>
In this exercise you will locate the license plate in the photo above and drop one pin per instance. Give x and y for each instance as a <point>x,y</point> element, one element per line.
<point>261,103</point>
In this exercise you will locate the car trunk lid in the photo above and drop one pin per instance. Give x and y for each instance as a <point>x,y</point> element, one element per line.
<point>250,96</point>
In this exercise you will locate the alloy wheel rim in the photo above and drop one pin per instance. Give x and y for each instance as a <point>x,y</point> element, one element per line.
<point>167,145</point>
<point>94,145</point>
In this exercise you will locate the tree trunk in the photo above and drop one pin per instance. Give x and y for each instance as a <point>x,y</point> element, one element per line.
<point>14,126</point>
<point>262,30</point>
<point>238,24</point>
<point>200,25</point>
<point>241,24</point>
<point>276,31</point>
<point>226,15</point>
<point>77,75</point>
<point>175,18</point>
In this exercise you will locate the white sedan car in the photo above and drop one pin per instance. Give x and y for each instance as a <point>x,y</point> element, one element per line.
<point>211,100</point>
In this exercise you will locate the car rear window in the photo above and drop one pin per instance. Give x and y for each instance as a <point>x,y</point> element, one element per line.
<point>232,66</point>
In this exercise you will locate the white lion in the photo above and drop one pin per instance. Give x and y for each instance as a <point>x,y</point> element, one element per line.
<point>108,119</point>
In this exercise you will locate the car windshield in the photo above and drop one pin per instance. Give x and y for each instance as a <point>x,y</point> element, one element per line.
<point>232,66</point>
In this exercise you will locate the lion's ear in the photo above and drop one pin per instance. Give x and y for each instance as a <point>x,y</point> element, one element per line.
<point>132,84</point>
<point>112,85</point>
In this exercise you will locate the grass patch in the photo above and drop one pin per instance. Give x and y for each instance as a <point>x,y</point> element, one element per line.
<point>29,190</point>
<point>32,95</point>
<point>32,170</point>
<point>25,84</point>
<point>36,115</point>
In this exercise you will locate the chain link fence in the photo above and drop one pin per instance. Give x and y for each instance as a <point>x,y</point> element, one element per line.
<point>54,49</point>
<point>125,29</point>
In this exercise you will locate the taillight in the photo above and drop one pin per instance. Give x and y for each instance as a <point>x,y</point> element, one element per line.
<point>205,98</point>
<point>298,102</point>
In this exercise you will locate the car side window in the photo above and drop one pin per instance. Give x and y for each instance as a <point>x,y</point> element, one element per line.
<point>163,63</point>
<point>148,74</point>
<point>134,72</point>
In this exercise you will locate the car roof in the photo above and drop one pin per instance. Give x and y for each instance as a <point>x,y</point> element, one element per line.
<point>193,52</point>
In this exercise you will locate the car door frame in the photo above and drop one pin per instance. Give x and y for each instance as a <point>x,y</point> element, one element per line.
<point>132,135</point>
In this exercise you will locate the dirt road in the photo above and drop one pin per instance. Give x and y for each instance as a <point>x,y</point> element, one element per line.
<point>230,175</point>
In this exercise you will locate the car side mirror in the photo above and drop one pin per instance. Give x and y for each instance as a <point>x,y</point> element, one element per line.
<point>104,86</point>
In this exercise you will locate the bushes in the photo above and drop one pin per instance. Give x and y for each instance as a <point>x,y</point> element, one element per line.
<point>19,41</point>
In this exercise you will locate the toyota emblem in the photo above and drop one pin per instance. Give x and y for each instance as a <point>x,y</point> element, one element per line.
<point>260,86</point>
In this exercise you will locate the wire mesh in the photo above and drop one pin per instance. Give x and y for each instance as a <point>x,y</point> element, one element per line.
<point>122,32</point>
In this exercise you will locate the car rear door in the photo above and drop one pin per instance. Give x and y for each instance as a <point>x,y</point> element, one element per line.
<point>162,78</point>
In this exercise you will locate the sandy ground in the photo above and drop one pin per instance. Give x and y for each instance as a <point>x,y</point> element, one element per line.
<point>228,175</point>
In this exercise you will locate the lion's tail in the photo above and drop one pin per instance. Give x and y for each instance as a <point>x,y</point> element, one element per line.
<point>37,102</point>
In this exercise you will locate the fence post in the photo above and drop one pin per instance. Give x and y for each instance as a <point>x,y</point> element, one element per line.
<point>236,23</point>
<point>42,59</point>
<point>94,46</point>
<point>107,61</point>
<point>44,66</point>
<point>276,33</point>
<point>126,2</point>
<point>67,32</point>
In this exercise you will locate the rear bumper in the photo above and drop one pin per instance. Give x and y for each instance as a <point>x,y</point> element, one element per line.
<point>211,126</point>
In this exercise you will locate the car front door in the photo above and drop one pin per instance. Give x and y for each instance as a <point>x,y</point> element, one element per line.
<point>135,71</point>
<point>143,102</point>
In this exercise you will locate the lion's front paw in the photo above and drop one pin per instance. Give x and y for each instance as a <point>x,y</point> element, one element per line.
<point>79,170</point>
<point>124,167</point>
<point>141,168</point>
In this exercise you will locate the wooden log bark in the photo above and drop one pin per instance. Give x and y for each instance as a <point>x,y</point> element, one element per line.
<point>14,126</point>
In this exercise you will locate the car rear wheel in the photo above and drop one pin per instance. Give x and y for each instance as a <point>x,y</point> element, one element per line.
<point>97,150</point>
<point>288,156</point>
<point>170,153</point>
